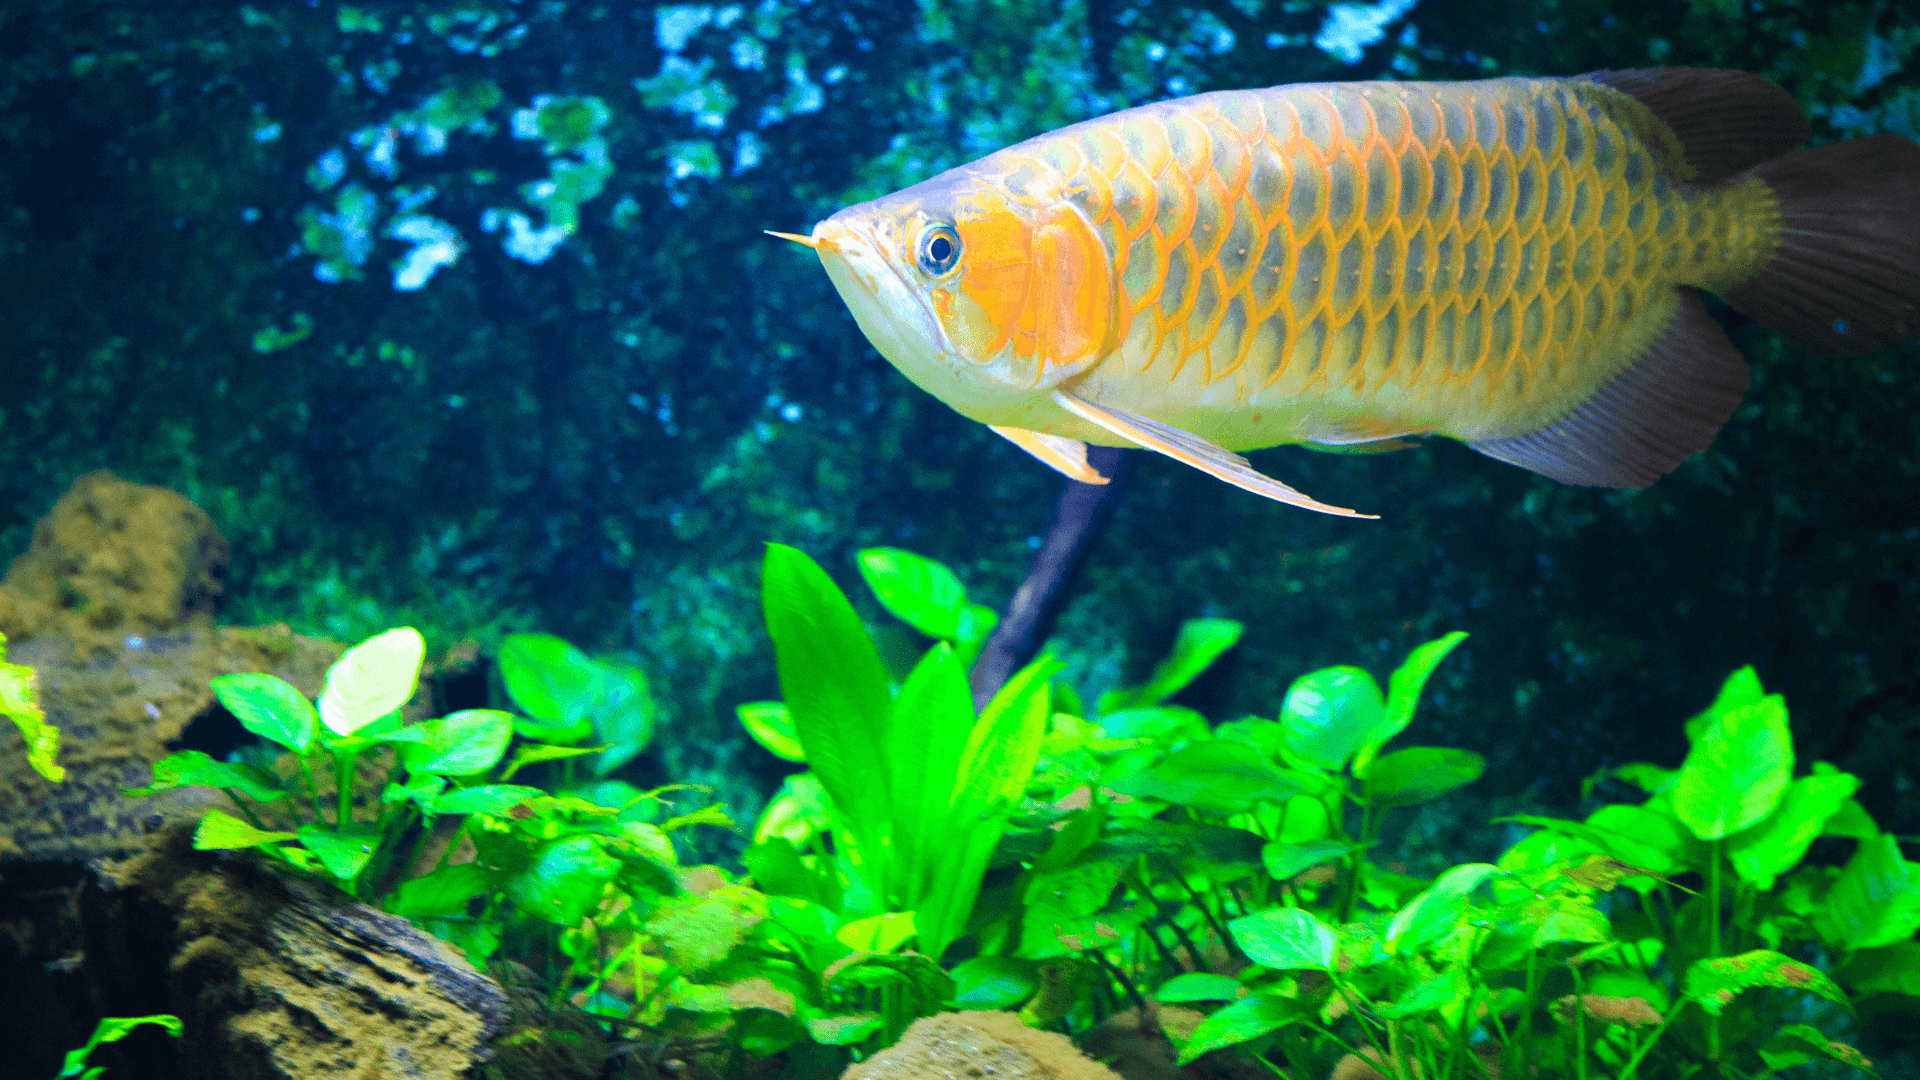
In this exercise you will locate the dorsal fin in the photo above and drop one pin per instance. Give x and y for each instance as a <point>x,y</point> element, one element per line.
<point>1726,121</point>
<point>1651,417</point>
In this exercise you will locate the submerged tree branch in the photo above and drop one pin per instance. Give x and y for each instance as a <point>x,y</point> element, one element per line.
<point>1083,511</point>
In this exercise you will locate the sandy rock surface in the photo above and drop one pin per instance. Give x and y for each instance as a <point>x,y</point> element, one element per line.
<point>979,1046</point>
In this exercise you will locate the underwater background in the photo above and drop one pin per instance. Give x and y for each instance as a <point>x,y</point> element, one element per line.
<point>457,314</point>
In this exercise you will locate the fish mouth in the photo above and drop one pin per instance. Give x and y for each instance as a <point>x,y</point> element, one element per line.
<point>892,311</point>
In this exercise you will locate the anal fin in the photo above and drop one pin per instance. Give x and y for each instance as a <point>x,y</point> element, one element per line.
<point>1378,446</point>
<point>1190,449</point>
<point>1651,417</point>
<point>1066,456</point>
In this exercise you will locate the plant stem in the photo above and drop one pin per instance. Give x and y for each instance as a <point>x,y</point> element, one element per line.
<point>343,782</point>
<point>313,790</point>
<point>1579,1026</point>
<point>252,818</point>
<point>1226,940</point>
<point>1120,977</point>
<point>1633,1063</point>
<point>1713,939</point>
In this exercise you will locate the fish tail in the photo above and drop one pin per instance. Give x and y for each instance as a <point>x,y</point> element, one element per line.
<point>1844,278</point>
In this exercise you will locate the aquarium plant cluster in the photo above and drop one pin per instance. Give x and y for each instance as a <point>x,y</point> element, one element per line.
<point>1124,862</point>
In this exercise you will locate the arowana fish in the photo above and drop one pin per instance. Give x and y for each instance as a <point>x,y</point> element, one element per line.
<point>1510,262</point>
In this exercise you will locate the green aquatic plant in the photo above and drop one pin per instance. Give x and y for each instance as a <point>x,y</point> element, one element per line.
<point>1575,955</point>
<point>20,701</point>
<point>111,1029</point>
<point>1222,874</point>
<point>568,696</point>
<point>445,761</point>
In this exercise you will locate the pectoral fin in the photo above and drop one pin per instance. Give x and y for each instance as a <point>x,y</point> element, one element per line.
<point>1066,456</point>
<point>1385,446</point>
<point>1193,450</point>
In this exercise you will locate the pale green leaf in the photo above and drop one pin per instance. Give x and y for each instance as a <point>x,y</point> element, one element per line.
<point>372,679</point>
<point>1197,645</point>
<point>771,727</point>
<point>221,831</point>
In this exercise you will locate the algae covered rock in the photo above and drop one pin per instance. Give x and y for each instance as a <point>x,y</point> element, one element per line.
<point>115,558</point>
<point>967,1045</point>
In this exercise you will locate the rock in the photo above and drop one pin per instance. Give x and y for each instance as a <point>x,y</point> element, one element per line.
<point>104,908</point>
<point>976,1046</point>
<point>279,978</point>
<point>114,559</point>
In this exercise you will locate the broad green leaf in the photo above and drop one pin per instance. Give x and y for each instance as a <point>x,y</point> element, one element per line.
<point>1306,821</point>
<point>877,933</point>
<point>1714,983</point>
<point>1246,1019</point>
<point>844,1030</point>
<point>1851,820</point>
<point>483,799</point>
<point>1433,995</point>
<point>995,982</point>
<point>1776,845</point>
<point>270,707</point>
<point>1329,713</point>
<point>464,743</point>
<point>976,625</point>
<point>1079,891</point>
<point>109,1030</point>
<point>1197,645</point>
<point>1285,939</point>
<point>1419,773</point>
<point>565,881</point>
<point>1798,1044</point>
<point>419,788</point>
<point>1437,910</point>
<point>1283,861</point>
<point>771,727</point>
<point>1161,725</point>
<point>372,679</point>
<point>555,684</point>
<point>1558,916</point>
<point>992,778</point>
<point>1737,770</point>
<point>1894,969</point>
<point>534,753</point>
<point>191,768</point>
<point>220,832</point>
<point>778,871</point>
<point>927,732</point>
<point>1631,834</point>
<point>1876,899</point>
<point>20,701</point>
<point>1646,836</point>
<point>922,593</point>
<point>1267,736</point>
<point>1741,689</point>
<point>1199,986</point>
<point>446,891</point>
<point>548,678</point>
<point>623,715</point>
<point>345,851</point>
<point>1216,775</point>
<point>1403,696</point>
<point>835,689</point>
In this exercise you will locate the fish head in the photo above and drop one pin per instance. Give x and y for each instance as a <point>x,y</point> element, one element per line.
<point>980,294</point>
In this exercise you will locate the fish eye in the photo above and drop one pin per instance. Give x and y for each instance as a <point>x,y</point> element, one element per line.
<point>938,250</point>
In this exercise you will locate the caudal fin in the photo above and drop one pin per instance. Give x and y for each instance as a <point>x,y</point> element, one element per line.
<point>1846,277</point>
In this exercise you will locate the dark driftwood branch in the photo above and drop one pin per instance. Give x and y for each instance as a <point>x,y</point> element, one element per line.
<point>1082,513</point>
